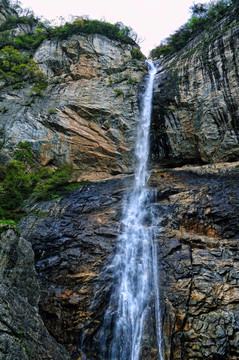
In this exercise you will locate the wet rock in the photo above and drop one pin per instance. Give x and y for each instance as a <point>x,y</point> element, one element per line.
<point>22,332</point>
<point>73,240</point>
<point>197,262</point>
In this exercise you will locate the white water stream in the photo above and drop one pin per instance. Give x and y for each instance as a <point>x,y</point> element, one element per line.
<point>135,262</point>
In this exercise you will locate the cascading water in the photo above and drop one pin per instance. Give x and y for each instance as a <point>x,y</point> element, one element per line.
<point>135,264</point>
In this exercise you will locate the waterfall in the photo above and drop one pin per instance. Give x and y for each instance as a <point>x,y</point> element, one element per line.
<point>135,263</point>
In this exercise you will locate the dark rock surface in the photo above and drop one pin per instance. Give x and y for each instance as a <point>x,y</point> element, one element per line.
<point>196,108</point>
<point>198,258</point>
<point>196,213</point>
<point>22,332</point>
<point>72,238</point>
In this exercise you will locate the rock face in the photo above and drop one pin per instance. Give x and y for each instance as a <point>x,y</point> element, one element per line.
<point>22,332</point>
<point>73,239</point>
<point>197,257</point>
<point>88,116</point>
<point>196,108</point>
<point>5,11</point>
<point>89,112</point>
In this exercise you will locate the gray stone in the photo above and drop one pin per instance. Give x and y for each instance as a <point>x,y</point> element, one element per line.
<point>195,112</point>
<point>22,332</point>
<point>89,113</point>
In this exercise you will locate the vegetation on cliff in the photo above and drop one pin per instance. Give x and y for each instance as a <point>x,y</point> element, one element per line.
<point>35,31</point>
<point>22,32</point>
<point>21,28</point>
<point>83,25</point>
<point>21,178</point>
<point>204,17</point>
<point>18,69</point>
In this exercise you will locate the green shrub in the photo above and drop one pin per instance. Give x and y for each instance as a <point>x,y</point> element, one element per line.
<point>75,186</point>
<point>1,214</point>
<point>118,92</point>
<point>18,85</point>
<point>52,111</point>
<point>22,42</point>
<point>21,179</point>
<point>3,110</point>
<point>16,186</point>
<point>24,153</point>
<point>7,222</point>
<point>18,68</point>
<point>203,18</point>
<point>12,21</point>
<point>132,81</point>
<point>36,91</point>
<point>3,170</point>
<point>116,31</point>
<point>50,181</point>
<point>137,54</point>
<point>28,41</point>
<point>43,30</point>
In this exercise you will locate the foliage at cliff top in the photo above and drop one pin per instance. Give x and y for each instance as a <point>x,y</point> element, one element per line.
<point>203,17</point>
<point>33,31</point>
<point>83,25</point>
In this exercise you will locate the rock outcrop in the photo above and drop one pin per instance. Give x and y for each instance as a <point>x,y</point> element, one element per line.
<point>196,212</point>
<point>89,112</point>
<point>196,108</point>
<point>6,11</point>
<point>73,238</point>
<point>198,248</point>
<point>22,332</point>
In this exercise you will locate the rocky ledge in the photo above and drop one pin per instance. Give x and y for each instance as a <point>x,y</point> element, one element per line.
<point>196,212</point>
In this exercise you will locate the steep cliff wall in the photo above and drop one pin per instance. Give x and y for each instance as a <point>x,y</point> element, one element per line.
<point>22,332</point>
<point>197,240</point>
<point>88,116</point>
<point>89,112</point>
<point>196,107</point>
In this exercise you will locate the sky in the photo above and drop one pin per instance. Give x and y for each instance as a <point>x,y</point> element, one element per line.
<point>152,20</point>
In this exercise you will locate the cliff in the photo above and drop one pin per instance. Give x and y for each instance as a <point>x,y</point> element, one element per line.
<point>88,117</point>
<point>196,211</point>
<point>195,117</point>
<point>23,334</point>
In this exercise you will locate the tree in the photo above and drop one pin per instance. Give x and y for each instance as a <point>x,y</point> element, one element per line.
<point>198,10</point>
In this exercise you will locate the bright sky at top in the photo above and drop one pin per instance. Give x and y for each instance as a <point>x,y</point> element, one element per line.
<point>152,20</point>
